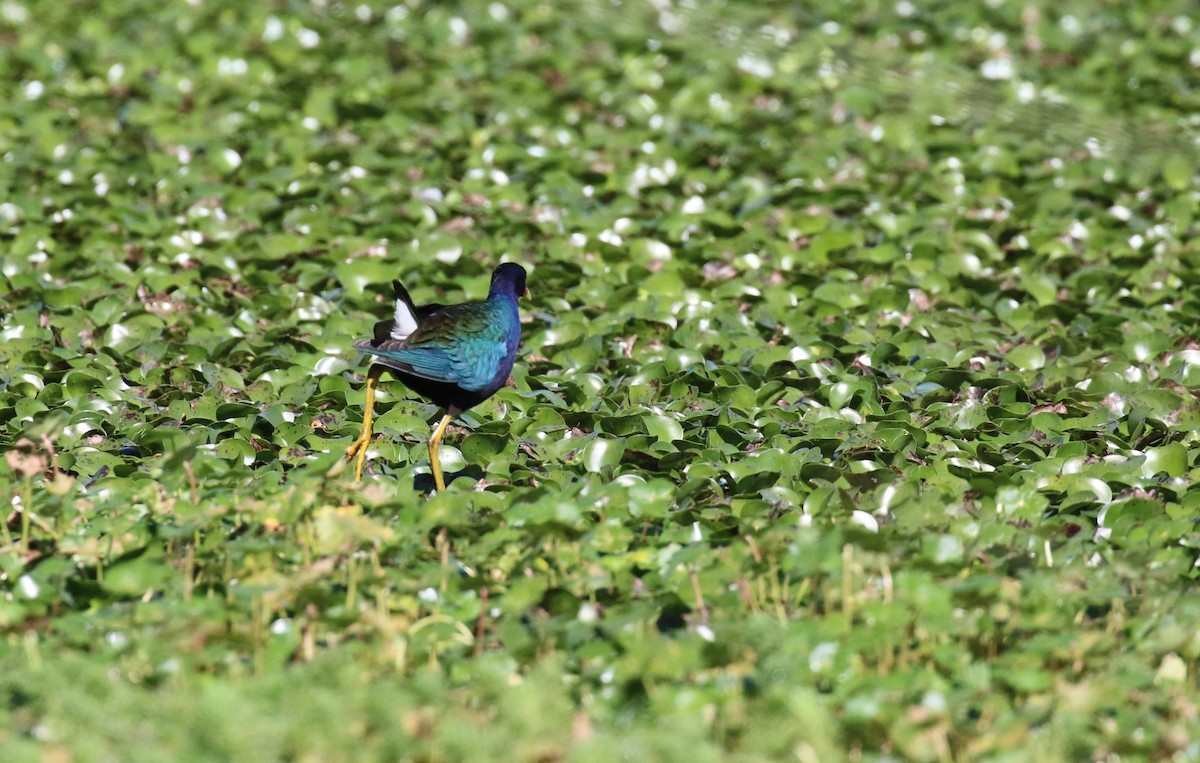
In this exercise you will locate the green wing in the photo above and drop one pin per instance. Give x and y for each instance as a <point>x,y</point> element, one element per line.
<point>460,344</point>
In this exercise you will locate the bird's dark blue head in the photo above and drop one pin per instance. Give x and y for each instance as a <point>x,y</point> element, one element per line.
<point>508,280</point>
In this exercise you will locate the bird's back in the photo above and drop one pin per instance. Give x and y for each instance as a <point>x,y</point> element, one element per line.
<point>458,355</point>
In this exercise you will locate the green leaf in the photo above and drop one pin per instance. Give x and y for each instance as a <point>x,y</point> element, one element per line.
<point>1027,357</point>
<point>1178,172</point>
<point>601,454</point>
<point>1171,460</point>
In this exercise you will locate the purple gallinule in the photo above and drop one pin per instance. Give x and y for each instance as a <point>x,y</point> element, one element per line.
<point>456,356</point>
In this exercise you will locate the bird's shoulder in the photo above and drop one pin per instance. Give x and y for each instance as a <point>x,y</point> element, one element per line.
<point>461,322</point>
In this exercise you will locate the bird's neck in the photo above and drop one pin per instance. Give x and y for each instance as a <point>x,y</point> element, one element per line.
<point>501,293</point>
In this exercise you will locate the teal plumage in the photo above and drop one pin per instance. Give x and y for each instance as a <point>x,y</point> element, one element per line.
<point>467,345</point>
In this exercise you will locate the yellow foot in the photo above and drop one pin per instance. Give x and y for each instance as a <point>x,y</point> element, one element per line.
<point>359,448</point>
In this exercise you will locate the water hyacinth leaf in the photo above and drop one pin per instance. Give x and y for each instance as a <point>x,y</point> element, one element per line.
<point>1171,460</point>
<point>138,573</point>
<point>236,451</point>
<point>1023,502</point>
<point>228,411</point>
<point>90,462</point>
<point>1027,357</point>
<point>482,448</point>
<point>663,428</point>
<point>1178,172</point>
<point>602,453</point>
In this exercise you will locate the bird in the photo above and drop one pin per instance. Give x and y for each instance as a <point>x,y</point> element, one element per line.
<point>455,356</point>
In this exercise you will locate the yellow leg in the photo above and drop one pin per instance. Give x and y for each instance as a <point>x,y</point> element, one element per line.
<point>359,446</point>
<point>434,464</point>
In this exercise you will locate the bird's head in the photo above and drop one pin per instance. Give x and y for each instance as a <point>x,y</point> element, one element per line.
<point>509,278</point>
